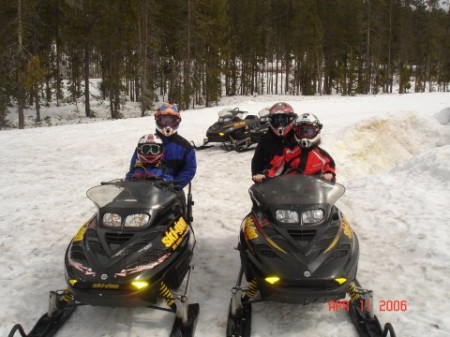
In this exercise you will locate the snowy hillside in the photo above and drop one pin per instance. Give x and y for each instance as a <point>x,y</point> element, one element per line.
<point>392,153</point>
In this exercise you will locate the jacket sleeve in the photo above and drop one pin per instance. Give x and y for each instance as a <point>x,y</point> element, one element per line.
<point>258,159</point>
<point>329,166</point>
<point>132,165</point>
<point>187,173</point>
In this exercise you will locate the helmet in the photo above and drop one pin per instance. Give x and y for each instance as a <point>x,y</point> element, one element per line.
<point>167,119</point>
<point>307,130</point>
<point>150,149</point>
<point>282,118</point>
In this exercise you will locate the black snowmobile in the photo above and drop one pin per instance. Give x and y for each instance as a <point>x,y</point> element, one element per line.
<point>135,251</point>
<point>233,131</point>
<point>260,128</point>
<point>297,247</point>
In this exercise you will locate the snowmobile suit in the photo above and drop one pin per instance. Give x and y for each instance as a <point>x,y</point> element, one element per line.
<point>269,146</point>
<point>179,159</point>
<point>309,161</point>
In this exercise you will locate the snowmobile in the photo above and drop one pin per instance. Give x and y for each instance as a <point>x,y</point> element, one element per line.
<point>296,246</point>
<point>260,128</point>
<point>233,131</point>
<point>135,251</point>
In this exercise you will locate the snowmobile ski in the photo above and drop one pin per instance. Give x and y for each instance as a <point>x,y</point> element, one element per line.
<point>240,324</point>
<point>369,326</point>
<point>186,329</point>
<point>50,322</point>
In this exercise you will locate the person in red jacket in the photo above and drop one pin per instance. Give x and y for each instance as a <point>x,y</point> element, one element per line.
<point>306,157</point>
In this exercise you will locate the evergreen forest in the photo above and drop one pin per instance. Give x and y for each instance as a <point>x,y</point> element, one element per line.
<point>193,52</point>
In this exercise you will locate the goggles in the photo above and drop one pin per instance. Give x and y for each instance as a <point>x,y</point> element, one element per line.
<point>168,120</point>
<point>281,120</point>
<point>306,131</point>
<point>150,149</point>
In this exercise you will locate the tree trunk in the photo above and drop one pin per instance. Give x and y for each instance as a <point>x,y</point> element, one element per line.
<point>21,90</point>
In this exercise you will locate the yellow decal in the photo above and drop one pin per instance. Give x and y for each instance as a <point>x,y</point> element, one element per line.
<point>238,124</point>
<point>274,245</point>
<point>347,232</point>
<point>346,228</point>
<point>175,234</point>
<point>249,229</point>
<point>80,234</point>
<point>105,286</point>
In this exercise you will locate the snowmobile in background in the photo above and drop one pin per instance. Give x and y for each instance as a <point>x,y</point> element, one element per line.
<point>233,131</point>
<point>261,128</point>
<point>135,251</point>
<point>297,247</point>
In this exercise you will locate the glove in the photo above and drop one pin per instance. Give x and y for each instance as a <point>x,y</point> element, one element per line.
<point>138,175</point>
<point>259,178</point>
<point>328,176</point>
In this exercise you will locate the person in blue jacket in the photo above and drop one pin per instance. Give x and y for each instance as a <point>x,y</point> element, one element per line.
<point>178,158</point>
<point>149,152</point>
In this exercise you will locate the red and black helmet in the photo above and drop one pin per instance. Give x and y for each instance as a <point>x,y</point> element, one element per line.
<point>282,118</point>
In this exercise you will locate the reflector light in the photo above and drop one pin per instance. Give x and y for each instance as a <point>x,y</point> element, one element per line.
<point>340,280</point>
<point>73,282</point>
<point>272,279</point>
<point>139,284</point>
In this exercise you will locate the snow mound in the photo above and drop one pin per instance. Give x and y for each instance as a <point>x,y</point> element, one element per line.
<point>379,144</point>
<point>433,162</point>
<point>443,116</point>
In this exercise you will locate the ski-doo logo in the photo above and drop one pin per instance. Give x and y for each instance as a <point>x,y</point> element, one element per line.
<point>249,229</point>
<point>175,234</point>
<point>80,234</point>
<point>105,286</point>
<point>346,228</point>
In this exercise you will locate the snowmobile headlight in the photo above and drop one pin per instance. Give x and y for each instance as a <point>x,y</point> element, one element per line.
<point>312,216</point>
<point>112,220</point>
<point>137,220</point>
<point>286,216</point>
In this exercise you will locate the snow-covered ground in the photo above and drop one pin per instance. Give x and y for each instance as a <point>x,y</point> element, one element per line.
<point>392,154</point>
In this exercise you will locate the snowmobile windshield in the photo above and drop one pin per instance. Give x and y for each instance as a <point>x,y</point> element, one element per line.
<point>131,194</point>
<point>296,189</point>
<point>226,119</point>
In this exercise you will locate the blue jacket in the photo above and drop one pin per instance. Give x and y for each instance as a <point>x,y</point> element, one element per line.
<point>178,160</point>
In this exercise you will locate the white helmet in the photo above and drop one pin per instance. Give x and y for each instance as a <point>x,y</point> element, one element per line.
<point>307,130</point>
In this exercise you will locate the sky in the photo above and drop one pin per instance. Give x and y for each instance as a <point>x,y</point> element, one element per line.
<point>392,154</point>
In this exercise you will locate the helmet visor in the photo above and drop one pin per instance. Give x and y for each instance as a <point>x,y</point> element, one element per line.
<point>306,131</point>
<point>278,120</point>
<point>167,120</point>
<point>150,149</point>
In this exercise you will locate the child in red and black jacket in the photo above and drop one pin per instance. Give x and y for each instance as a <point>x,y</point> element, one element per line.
<point>304,155</point>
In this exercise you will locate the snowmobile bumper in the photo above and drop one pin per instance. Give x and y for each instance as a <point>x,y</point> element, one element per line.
<point>315,291</point>
<point>217,137</point>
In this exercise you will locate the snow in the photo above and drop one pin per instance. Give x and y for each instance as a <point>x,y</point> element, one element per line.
<point>392,154</point>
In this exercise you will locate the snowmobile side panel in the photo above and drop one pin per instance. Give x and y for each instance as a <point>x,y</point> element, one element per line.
<point>180,329</point>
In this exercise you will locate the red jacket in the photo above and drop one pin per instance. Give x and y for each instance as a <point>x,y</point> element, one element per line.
<point>310,161</point>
